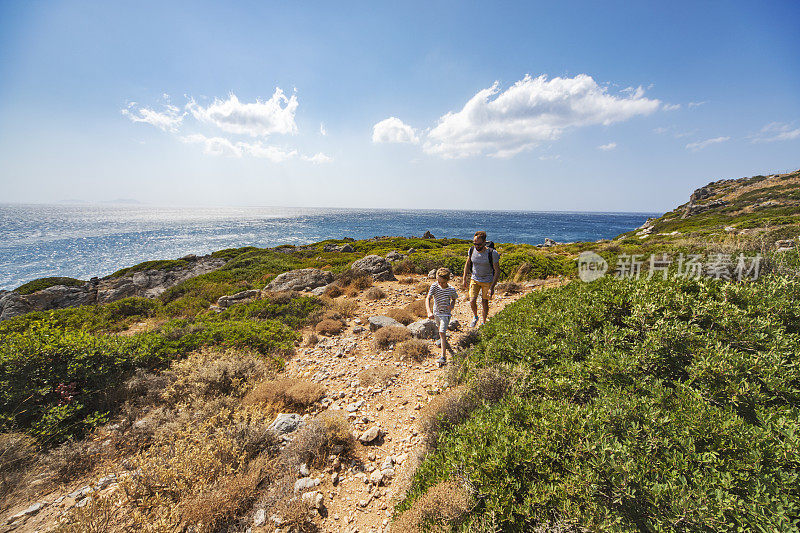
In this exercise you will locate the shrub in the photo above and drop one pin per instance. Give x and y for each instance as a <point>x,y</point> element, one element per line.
<point>684,388</point>
<point>286,393</point>
<point>375,293</point>
<point>345,307</point>
<point>311,339</point>
<point>414,349</point>
<point>444,504</point>
<point>422,288</point>
<point>401,315</point>
<point>403,267</point>
<point>417,308</point>
<point>376,374</point>
<point>318,439</point>
<point>329,327</point>
<point>387,336</point>
<point>16,453</point>
<point>509,287</point>
<point>408,281</point>
<point>356,280</point>
<point>333,291</point>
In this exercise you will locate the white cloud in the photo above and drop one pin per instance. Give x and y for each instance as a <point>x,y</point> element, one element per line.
<point>671,107</point>
<point>533,110</point>
<point>694,147</point>
<point>318,158</point>
<point>322,130</point>
<point>260,118</point>
<point>555,157</point>
<point>220,146</point>
<point>167,120</point>
<point>214,145</point>
<point>776,131</point>
<point>393,130</point>
<point>607,147</point>
<point>695,104</point>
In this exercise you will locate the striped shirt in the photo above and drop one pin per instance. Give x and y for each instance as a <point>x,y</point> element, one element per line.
<point>442,298</point>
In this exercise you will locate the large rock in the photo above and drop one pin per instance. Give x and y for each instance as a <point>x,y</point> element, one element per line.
<point>151,283</point>
<point>145,284</point>
<point>303,279</point>
<point>378,266</point>
<point>239,297</point>
<point>285,423</point>
<point>394,255</point>
<point>370,435</point>
<point>378,322</point>
<point>424,329</point>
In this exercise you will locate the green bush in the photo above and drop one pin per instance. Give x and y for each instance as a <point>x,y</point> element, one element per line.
<point>640,406</point>
<point>56,382</point>
<point>43,283</point>
<point>161,264</point>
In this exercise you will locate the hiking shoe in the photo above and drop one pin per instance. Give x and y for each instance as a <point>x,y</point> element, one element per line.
<point>474,322</point>
<point>441,361</point>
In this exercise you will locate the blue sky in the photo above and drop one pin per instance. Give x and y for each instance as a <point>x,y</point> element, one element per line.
<point>601,106</point>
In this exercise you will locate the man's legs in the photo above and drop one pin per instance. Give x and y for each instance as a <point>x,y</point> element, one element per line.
<point>485,309</point>
<point>473,303</point>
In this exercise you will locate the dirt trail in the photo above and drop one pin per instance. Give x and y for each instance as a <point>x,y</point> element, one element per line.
<point>356,503</point>
<point>354,499</point>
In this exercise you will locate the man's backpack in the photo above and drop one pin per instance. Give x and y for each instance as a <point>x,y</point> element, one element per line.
<point>490,248</point>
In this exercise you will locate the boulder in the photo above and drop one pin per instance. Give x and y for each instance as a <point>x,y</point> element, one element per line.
<point>378,266</point>
<point>432,274</point>
<point>376,477</point>
<point>370,435</point>
<point>285,423</point>
<point>239,297</point>
<point>394,256</point>
<point>454,325</point>
<point>346,248</point>
<point>300,280</point>
<point>305,483</point>
<point>424,329</point>
<point>378,322</point>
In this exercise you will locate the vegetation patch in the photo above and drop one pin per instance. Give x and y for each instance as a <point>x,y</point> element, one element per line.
<point>650,405</point>
<point>43,283</point>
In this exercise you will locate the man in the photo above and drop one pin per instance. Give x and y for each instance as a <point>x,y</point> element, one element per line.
<point>484,264</point>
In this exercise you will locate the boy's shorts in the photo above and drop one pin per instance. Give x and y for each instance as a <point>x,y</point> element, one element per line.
<point>442,322</point>
<point>480,286</point>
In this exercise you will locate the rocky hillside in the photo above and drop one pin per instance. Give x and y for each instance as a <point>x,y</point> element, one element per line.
<point>744,206</point>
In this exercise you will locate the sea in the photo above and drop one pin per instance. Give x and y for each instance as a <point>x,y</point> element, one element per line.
<point>83,241</point>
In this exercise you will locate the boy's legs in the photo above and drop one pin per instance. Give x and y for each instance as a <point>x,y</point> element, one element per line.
<point>443,322</point>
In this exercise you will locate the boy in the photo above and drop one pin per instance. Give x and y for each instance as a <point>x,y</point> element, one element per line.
<point>444,298</point>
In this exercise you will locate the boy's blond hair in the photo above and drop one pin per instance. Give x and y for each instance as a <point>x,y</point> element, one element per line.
<point>443,272</point>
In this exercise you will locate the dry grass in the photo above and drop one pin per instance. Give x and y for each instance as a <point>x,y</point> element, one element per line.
<point>469,339</point>
<point>509,288</point>
<point>345,307</point>
<point>70,460</point>
<point>16,453</point>
<point>442,505</point>
<point>412,349</point>
<point>522,272</point>
<point>387,336</point>
<point>316,440</point>
<point>353,281</point>
<point>311,339</point>
<point>333,291</point>
<point>329,327</point>
<point>377,375</point>
<point>417,308</point>
<point>375,293</point>
<point>286,393</point>
<point>422,288</point>
<point>401,315</point>
<point>404,267</point>
<point>408,281</point>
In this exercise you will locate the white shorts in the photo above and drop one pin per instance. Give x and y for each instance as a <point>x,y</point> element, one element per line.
<point>442,322</point>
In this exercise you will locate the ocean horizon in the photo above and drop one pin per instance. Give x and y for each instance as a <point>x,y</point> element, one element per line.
<point>86,240</point>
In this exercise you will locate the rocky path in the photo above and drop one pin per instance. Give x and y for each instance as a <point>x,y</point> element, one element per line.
<point>383,410</point>
<point>360,498</point>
